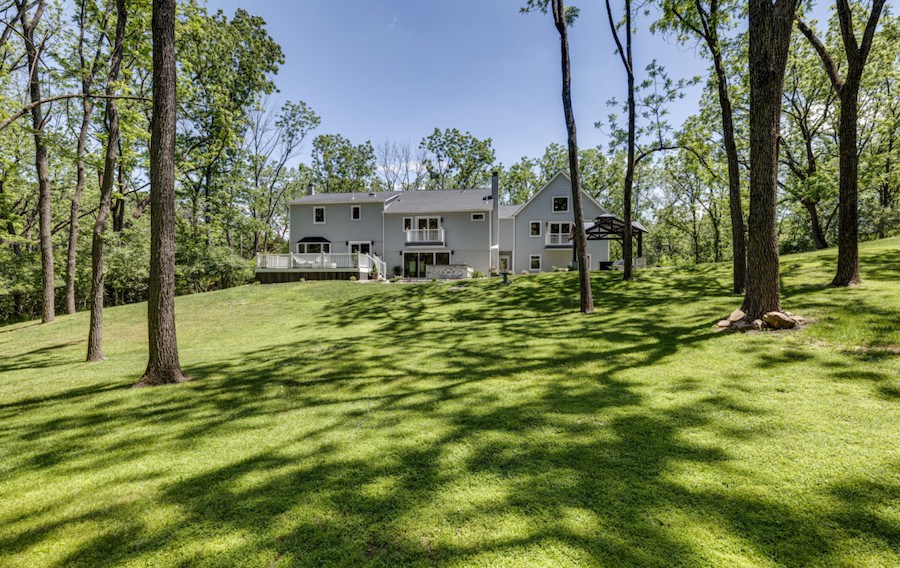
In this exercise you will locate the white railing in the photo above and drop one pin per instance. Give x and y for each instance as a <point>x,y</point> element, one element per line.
<point>425,236</point>
<point>320,261</point>
<point>558,239</point>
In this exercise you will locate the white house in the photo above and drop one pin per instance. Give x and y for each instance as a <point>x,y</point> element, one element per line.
<point>441,233</point>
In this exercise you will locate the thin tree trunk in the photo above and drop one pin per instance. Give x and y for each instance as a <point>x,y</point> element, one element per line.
<point>71,253</point>
<point>848,213</point>
<point>163,366</point>
<point>739,245</point>
<point>95,333</point>
<point>41,163</point>
<point>770,28</point>
<point>815,224</point>
<point>627,255</point>
<point>584,274</point>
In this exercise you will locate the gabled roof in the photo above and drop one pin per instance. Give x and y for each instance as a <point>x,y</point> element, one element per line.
<point>338,198</point>
<point>440,201</point>
<point>546,185</point>
<point>509,211</point>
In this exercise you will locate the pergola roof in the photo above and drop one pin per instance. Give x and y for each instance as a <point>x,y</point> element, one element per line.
<point>313,240</point>
<point>609,226</point>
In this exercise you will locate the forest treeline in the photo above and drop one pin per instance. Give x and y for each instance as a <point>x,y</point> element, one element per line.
<point>239,156</point>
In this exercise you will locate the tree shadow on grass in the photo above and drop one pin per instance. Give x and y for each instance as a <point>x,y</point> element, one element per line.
<point>442,427</point>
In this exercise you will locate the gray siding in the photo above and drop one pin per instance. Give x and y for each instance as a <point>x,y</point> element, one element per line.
<point>540,208</point>
<point>469,240</point>
<point>338,227</point>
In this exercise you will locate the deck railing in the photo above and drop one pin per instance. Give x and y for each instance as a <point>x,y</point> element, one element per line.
<point>558,239</point>
<point>425,236</point>
<point>320,261</point>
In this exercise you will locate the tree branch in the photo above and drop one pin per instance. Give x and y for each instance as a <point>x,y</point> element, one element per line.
<point>25,109</point>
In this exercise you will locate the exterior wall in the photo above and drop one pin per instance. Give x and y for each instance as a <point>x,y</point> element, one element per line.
<point>540,208</point>
<point>338,227</point>
<point>507,229</point>
<point>468,240</point>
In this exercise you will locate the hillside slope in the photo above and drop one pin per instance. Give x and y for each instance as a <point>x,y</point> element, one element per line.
<point>369,424</point>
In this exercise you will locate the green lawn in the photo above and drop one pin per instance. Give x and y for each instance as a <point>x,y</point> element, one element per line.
<point>392,425</point>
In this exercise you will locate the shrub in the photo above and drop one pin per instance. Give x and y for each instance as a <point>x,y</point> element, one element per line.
<point>398,271</point>
<point>477,274</point>
<point>353,279</point>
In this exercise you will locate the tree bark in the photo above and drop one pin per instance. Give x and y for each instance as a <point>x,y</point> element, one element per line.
<point>95,333</point>
<point>847,273</point>
<point>41,163</point>
<point>815,224</point>
<point>75,210</point>
<point>584,270</point>
<point>739,245</point>
<point>770,26</point>
<point>163,366</point>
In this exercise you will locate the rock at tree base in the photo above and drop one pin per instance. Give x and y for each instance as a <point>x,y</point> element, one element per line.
<point>741,325</point>
<point>724,323</point>
<point>758,324</point>
<point>737,315</point>
<point>779,320</point>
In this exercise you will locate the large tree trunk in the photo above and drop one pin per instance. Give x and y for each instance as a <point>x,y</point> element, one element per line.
<point>95,333</point>
<point>584,270</point>
<point>163,366</point>
<point>41,163</point>
<point>770,28</point>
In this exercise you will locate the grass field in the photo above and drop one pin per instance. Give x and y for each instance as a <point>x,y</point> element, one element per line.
<point>391,425</point>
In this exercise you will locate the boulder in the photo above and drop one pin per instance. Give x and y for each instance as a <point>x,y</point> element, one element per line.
<point>779,320</point>
<point>737,315</point>
<point>724,323</point>
<point>758,324</point>
<point>741,325</point>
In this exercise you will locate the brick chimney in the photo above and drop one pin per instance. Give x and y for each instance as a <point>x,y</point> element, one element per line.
<point>310,190</point>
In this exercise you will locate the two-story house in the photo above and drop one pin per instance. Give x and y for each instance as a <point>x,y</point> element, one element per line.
<point>338,235</point>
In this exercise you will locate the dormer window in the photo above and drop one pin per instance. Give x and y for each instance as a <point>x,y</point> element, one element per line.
<point>318,215</point>
<point>355,212</point>
<point>560,204</point>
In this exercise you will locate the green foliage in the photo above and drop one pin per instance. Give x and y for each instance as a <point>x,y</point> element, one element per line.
<point>456,160</point>
<point>200,268</point>
<point>340,167</point>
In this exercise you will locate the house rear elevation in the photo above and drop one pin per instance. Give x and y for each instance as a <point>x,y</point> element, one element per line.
<point>417,234</point>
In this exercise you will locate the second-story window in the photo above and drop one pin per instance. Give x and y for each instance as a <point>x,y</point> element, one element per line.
<point>560,204</point>
<point>534,228</point>
<point>318,215</point>
<point>407,223</point>
<point>355,212</point>
<point>478,216</point>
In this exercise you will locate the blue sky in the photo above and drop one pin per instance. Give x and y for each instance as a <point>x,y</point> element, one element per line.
<point>396,69</point>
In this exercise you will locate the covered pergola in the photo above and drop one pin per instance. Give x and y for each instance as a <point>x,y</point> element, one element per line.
<point>611,227</point>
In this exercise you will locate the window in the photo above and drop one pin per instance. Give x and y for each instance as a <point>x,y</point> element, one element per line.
<point>442,258</point>
<point>407,223</point>
<point>560,204</point>
<point>560,228</point>
<point>318,215</point>
<point>361,247</point>
<point>534,262</point>
<point>355,212</point>
<point>478,216</point>
<point>534,228</point>
<point>313,248</point>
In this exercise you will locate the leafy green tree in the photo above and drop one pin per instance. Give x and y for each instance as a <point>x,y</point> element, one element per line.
<point>710,22</point>
<point>338,166</point>
<point>456,160</point>
<point>847,83</point>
